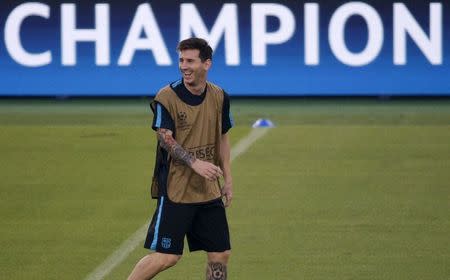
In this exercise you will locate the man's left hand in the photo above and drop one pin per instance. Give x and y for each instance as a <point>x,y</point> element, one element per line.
<point>227,192</point>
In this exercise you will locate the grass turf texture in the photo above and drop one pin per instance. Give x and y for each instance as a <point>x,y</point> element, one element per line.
<point>340,189</point>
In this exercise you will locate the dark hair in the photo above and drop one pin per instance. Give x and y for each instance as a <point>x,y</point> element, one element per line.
<point>197,44</point>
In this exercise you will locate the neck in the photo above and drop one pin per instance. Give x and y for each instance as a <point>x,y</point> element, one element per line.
<point>197,89</point>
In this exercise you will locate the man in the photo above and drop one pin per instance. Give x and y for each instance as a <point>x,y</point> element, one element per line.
<point>191,119</point>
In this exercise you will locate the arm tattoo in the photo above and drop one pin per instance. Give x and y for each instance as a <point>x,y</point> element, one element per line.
<point>176,151</point>
<point>216,271</point>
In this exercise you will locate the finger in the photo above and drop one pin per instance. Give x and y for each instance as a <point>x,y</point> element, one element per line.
<point>213,175</point>
<point>211,171</point>
<point>227,201</point>
<point>227,198</point>
<point>208,175</point>
<point>219,170</point>
<point>215,170</point>
<point>217,173</point>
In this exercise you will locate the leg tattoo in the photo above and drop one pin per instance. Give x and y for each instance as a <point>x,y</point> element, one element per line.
<point>216,271</point>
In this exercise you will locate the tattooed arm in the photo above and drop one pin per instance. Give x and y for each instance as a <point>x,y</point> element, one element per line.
<point>166,140</point>
<point>203,168</point>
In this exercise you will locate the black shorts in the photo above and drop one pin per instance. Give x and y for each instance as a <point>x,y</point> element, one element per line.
<point>205,226</point>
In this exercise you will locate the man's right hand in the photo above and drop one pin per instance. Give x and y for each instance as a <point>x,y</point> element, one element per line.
<point>207,169</point>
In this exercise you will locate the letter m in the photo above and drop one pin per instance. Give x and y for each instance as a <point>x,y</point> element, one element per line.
<point>226,25</point>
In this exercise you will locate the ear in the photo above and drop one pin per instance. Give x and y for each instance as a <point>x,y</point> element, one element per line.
<point>207,64</point>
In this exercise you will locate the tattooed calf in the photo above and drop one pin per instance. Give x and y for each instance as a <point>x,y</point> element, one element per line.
<point>216,271</point>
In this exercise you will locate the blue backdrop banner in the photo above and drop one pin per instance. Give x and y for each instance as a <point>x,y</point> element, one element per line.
<point>282,48</point>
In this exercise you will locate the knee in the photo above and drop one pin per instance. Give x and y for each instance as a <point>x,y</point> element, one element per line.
<point>219,257</point>
<point>225,255</point>
<point>168,260</point>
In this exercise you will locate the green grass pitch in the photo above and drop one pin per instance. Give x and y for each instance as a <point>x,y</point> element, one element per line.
<point>339,189</point>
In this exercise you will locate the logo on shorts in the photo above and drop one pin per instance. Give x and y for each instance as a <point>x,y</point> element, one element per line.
<point>166,242</point>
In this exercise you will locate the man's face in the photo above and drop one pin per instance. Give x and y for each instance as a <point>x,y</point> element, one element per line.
<point>193,69</point>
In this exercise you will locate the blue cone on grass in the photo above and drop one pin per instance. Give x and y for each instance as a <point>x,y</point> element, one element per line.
<point>263,123</point>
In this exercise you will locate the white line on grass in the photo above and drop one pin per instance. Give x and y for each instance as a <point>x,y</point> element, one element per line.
<point>128,246</point>
<point>247,141</point>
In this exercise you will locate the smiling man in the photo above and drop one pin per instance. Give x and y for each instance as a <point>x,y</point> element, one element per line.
<point>191,120</point>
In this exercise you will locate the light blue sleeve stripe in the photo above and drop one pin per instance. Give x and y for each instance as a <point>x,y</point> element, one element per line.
<point>231,119</point>
<point>176,83</point>
<point>158,221</point>
<point>158,115</point>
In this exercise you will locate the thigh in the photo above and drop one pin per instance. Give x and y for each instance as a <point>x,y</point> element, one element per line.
<point>169,226</point>
<point>209,230</point>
